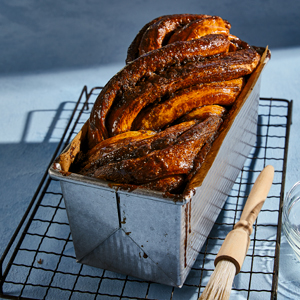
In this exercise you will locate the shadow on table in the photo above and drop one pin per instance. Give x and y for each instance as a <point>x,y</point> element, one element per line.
<point>23,165</point>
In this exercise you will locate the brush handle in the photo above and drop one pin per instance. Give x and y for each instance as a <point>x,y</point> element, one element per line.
<point>237,241</point>
<point>256,199</point>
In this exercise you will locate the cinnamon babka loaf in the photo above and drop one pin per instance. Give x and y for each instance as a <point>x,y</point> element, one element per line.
<point>154,122</point>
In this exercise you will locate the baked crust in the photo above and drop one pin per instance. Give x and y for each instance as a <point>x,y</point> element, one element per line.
<point>226,66</point>
<point>107,146</point>
<point>184,101</point>
<point>203,112</point>
<point>157,34</point>
<point>199,28</point>
<point>131,147</point>
<point>173,160</point>
<point>143,67</point>
<point>154,123</point>
<point>133,49</point>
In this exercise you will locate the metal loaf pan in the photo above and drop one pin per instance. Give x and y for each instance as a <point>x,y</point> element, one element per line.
<point>142,233</point>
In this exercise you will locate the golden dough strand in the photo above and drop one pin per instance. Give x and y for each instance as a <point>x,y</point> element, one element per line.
<point>221,93</point>
<point>203,112</point>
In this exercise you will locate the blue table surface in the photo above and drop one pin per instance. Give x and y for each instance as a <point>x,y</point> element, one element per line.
<point>50,50</point>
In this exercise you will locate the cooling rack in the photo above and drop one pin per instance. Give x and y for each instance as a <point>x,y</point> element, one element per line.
<point>39,261</point>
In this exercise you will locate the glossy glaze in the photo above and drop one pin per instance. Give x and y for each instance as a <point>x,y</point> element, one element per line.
<point>199,28</point>
<point>156,34</point>
<point>184,101</point>
<point>147,66</point>
<point>173,160</point>
<point>131,147</point>
<point>203,112</point>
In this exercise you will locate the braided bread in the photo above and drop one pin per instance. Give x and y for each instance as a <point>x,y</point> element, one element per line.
<point>154,122</point>
<point>156,31</point>
<point>134,75</point>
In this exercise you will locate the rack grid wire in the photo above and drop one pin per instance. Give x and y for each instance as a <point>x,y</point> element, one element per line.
<point>39,261</point>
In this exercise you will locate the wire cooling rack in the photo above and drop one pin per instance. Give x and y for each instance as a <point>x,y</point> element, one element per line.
<point>39,261</point>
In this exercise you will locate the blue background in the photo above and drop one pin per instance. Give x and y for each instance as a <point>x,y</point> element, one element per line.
<point>50,49</point>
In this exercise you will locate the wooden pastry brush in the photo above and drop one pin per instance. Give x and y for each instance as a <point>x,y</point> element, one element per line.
<point>233,251</point>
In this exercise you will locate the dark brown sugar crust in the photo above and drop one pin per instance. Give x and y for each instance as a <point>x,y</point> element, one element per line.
<point>147,66</point>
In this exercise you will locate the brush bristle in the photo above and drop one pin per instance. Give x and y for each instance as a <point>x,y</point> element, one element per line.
<point>220,282</point>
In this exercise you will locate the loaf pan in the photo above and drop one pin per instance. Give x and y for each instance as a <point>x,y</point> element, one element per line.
<point>143,233</point>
